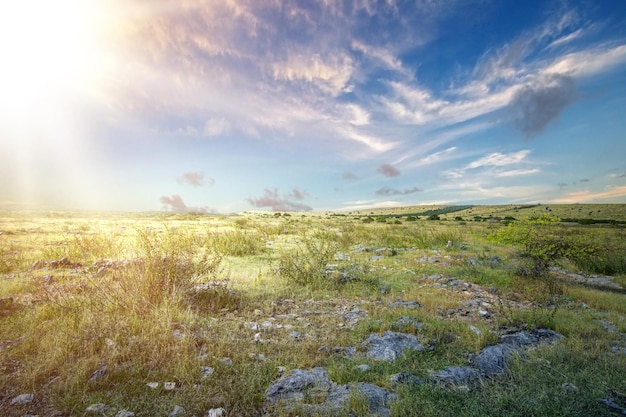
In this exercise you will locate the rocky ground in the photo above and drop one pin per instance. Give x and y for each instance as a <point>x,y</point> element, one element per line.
<point>311,391</point>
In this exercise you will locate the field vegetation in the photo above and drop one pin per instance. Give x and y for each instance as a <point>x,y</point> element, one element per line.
<point>149,311</point>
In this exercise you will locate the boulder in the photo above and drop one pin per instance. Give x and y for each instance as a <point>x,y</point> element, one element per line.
<point>391,345</point>
<point>313,393</point>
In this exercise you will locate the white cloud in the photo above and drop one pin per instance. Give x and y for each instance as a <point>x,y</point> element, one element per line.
<point>330,74</point>
<point>588,62</point>
<point>517,172</point>
<point>499,159</point>
<point>216,126</point>
<point>384,55</point>
<point>566,39</point>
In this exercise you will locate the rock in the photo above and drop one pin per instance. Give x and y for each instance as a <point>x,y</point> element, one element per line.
<point>456,375</point>
<point>612,405</point>
<point>405,304</point>
<point>153,385</point>
<point>484,314</point>
<point>176,411</point>
<point>23,399</point>
<point>569,387</point>
<point>206,371</point>
<point>363,368</point>
<point>407,321</point>
<point>216,412</point>
<point>608,326</point>
<point>98,373</point>
<point>475,330</point>
<point>97,409</point>
<point>493,359</point>
<point>226,361</point>
<point>125,413</point>
<point>391,345</point>
<point>406,378</point>
<point>531,338</point>
<point>386,251</point>
<point>169,386</point>
<point>313,393</point>
<point>295,335</point>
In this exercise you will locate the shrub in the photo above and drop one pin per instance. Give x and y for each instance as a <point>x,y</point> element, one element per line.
<point>306,265</point>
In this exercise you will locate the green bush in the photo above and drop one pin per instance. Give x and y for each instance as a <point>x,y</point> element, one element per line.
<point>306,265</point>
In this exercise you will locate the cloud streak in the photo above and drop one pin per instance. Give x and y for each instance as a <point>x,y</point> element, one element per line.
<point>386,191</point>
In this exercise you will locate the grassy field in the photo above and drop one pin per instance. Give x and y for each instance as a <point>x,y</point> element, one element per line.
<point>96,306</point>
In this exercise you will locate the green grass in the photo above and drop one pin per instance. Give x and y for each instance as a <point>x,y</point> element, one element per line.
<point>144,318</point>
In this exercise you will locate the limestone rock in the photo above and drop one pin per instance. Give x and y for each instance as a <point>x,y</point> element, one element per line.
<point>23,399</point>
<point>406,378</point>
<point>176,411</point>
<point>216,412</point>
<point>391,345</point>
<point>313,393</point>
<point>456,375</point>
<point>97,409</point>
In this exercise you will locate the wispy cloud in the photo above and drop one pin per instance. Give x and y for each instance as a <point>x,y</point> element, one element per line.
<point>272,199</point>
<point>498,159</point>
<point>386,191</point>
<point>388,170</point>
<point>517,172</point>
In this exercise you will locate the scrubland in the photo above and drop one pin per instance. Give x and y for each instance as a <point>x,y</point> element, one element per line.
<point>96,306</point>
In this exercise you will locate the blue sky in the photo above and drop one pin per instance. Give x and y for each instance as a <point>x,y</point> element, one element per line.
<point>227,105</point>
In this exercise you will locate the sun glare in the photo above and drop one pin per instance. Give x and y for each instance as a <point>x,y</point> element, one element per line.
<point>51,51</point>
<point>54,56</point>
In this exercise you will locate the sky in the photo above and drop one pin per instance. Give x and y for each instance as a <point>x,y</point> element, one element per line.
<point>223,106</point>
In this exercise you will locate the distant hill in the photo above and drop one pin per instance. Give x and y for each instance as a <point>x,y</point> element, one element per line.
<point>572,212</point>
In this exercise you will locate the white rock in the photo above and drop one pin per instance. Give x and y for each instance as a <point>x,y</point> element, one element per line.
<point>96,409</point>
<point>125,413</point>
<point>153,385</point>
<point>226,361</point>
<point>23,399</point>
<point>363,368</point>
<point>216,412</point>
<point>169,386</point>
<point>295,335</point>
<point>475,329</point>
<point>206,371</point>
<point>176,411</point>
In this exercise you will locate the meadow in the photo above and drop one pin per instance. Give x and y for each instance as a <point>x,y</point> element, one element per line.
<point>147,312</point>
